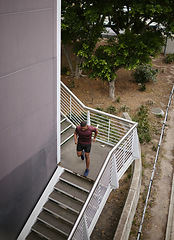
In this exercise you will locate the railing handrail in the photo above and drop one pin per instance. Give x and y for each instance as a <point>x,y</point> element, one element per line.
<point>98,179</point>
<point>95,110</point>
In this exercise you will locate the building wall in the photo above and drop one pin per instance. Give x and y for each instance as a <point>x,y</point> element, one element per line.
<point>27,107</point>
<point>170,46</point>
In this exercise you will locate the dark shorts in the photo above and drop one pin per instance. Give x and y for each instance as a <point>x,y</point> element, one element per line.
<point>80,147</point>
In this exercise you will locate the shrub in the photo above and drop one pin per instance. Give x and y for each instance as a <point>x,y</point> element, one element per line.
<point>169,58</point>
<point>99,108</point>
<point>124,108</point>
<point>118,99</point>
<point>142,88</point>
<point>111,109</point>
<point>144,74</point>
<point>143,124</point>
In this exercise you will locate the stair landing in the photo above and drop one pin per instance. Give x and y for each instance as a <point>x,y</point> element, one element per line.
<point>69,159</point>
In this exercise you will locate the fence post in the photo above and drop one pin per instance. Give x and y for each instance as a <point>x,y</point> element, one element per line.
<point>136,152</point>
<point>114,176</point>
<point>88,118</point>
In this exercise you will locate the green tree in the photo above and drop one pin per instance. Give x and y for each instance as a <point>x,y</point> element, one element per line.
<point>140,26</point>
<point>82,24</point>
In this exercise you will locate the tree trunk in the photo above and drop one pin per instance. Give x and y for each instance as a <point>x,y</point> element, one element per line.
<point>112,89</point>
<point>78,71</point>
<point>68,59</point>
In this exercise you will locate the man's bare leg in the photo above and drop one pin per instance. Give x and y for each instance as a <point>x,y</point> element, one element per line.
<point>87,160</point>
<point>79,153</point>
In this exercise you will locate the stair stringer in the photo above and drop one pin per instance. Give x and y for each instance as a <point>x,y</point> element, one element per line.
<point>38,208</point>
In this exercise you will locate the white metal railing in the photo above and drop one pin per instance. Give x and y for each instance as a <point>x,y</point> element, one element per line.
<point>115,131</point>
<point>111,128</point>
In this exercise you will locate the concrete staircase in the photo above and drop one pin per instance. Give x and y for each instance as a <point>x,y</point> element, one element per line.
<point>64,204</point>
<point>67,130</point>
<point>62,208</point>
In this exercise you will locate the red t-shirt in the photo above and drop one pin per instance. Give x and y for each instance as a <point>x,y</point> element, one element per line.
<point>85,137</point>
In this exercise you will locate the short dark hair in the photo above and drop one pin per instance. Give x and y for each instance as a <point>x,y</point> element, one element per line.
<point>83,124</point>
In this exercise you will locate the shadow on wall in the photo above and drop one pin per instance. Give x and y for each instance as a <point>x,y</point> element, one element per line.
<point>20,192</point>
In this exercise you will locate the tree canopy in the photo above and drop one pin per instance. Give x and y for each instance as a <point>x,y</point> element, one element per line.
<point>139,27</point>
<point>82,23</point>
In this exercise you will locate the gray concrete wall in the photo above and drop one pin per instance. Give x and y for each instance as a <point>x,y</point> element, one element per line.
<point>27,107</point>
<point>170,46</point>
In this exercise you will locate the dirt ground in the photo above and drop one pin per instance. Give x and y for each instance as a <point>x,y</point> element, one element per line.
<point>94,93</point>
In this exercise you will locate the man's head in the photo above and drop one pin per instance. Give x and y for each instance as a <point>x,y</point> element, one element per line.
<point>83,126</point>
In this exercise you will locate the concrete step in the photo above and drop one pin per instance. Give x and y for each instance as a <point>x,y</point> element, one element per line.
<point>78,181</point>
<point>66,201</point>
<point>62,117</point>
<point>46,232</point>
<point>34,236</point>
<point>60,212</point>
<point>52,221</point>
<point>71,191</point>
<point>65,126</point>
<point>66,135</point>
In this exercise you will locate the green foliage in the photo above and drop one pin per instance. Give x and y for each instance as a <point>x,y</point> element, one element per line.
<point>128,50</point>
<point>143,124</point>
<point>82,23</point>
<point>111,109</point>
<point>136,40</point>
<point>101,63</point>
<point>99,108</point>
<point>169,58</point>
<point>144,74</point>
<point>118,99</point>
<point>142,88</point>
<point>124,108</point>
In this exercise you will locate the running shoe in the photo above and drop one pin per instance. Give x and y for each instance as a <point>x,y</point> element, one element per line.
<point>86,172</point>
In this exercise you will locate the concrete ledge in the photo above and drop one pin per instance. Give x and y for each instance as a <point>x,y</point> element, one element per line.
<point>170,222</point>
<point>125,223</point>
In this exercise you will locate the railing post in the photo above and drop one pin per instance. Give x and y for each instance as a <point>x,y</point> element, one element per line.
<point>114,176</point>
<point>85,230</point>
<point>70,106</point>
<point>109,127</point>
<point>136,152</point>
<point>88,118</point>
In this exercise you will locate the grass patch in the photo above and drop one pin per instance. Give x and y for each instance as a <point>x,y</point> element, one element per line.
<point>143,124</point>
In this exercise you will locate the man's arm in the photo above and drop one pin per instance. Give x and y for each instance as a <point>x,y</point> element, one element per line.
<point>75,137</point>
<point>96,132</point>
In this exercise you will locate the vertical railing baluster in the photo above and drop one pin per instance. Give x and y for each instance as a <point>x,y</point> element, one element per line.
<point>70,105</point>
<point>124,151</point>
<point>109,127</point>
<point>88,118</point>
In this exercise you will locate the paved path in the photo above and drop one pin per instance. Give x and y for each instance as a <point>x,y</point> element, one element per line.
<point>160,208</point>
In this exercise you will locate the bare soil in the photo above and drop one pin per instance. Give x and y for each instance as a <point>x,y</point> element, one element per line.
<point>94,93</point>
